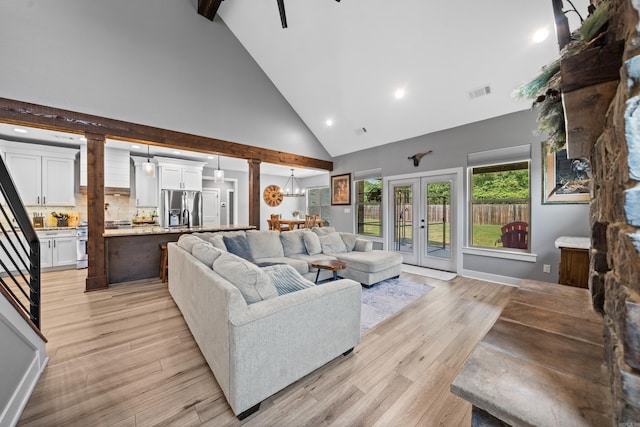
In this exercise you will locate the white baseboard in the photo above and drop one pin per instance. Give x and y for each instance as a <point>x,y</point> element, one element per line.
<point>12,412</point>
<point>496,278</point>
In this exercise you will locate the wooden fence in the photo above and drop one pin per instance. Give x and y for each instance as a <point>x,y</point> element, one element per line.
<point>482,214</point>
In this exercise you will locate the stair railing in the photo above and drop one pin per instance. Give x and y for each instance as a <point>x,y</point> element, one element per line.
<point>19,252</point>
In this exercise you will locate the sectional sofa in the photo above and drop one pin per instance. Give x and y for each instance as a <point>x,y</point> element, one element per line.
<point>263,324</point>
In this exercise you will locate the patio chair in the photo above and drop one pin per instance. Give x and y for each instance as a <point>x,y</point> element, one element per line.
<point>515,235</point>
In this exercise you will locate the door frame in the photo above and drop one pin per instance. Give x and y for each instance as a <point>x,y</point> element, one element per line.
<point>459,200</point>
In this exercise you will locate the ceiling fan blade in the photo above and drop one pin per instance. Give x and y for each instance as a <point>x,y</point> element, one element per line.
<point>283,16</point>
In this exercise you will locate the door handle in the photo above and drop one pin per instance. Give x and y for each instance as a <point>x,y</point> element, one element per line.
<point>54,243</point>
<point>38,200</point>
<point>44,200</point>
<point>49,243</point>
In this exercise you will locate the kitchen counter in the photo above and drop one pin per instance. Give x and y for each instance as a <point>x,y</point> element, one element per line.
<point>142,230</point>
<point>134,253</point>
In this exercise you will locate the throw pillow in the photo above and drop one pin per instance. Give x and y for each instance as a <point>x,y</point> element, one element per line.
<point>205,253</point>
<point>238,245</point>
<point>363,245</point>
<point>286,279</point>
<point>293,243</point>
<point>312,243</point>
<point>186,242</point>
<point>323,231</point>
<point>218,242</point>
<point>349,240</point>
<point>332,244</point>
<point>251,281</point>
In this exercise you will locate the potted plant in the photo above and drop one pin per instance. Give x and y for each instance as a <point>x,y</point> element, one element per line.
<point>297,214</point>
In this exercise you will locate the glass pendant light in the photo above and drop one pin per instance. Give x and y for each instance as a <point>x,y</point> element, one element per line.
<point>218,174</point>
<point>148,168</point>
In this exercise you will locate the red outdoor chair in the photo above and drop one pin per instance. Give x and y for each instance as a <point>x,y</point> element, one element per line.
<point>515,235</point>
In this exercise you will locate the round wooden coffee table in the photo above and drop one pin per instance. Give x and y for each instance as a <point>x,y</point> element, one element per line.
<point>331,265</point>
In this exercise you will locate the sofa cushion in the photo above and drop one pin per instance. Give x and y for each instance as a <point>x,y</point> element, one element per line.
<point>363,245</point>
<point>312,243</point>
<point>301,266</point>
<point>186,242</point>
<point>370,262</point>
<point>332,243</point>
<point>253,283</point>
<point>323,231</point>
<point>293,243</point>
<point>349,240</point>
<point>286,279</point>
<point>264,244</point>
<point>205,253</point>
<point>238,245</point>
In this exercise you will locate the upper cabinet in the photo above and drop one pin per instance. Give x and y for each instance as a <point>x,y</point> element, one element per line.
<point>43,179</point>
<point>175,174</point>
<point>146,185</point>
<point>116,169</point>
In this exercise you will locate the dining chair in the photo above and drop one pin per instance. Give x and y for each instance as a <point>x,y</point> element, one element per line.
<point>276,224</point>
<point>310,221</point>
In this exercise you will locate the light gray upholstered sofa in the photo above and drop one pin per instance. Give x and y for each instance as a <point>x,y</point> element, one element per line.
<point>255,340</point>
<point>299,248</point>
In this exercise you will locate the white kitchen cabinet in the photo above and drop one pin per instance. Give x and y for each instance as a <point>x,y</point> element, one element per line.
<point>175,174</point>
<point>21,258</point>
<point>146,186</point>
<point>43,179</point>
<point>57,248</point>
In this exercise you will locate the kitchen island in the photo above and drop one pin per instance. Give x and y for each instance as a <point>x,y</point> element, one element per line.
<point>134,253</point>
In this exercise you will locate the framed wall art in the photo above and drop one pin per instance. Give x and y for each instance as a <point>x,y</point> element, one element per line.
<point>341,189</point>
<point>564,180</point>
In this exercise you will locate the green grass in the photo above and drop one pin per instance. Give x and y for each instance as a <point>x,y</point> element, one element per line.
<point>486,235</point>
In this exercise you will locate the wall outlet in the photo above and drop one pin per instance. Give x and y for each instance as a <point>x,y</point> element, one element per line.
<point>347,210</point>
<point>546,268</point>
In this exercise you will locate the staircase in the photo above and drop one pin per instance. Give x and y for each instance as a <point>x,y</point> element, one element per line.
<point>22,352</point>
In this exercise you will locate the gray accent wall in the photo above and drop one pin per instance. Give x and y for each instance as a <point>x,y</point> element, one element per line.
<point>450,149</point>
<point>152,62</point>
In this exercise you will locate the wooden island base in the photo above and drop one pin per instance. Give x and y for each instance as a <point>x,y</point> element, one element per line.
<point>134,254</point>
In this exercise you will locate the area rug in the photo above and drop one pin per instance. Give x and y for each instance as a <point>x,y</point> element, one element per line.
<point>445,276</point>
<point>383,299</point>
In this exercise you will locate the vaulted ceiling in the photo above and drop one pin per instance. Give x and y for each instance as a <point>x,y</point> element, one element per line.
<point>345,61</point>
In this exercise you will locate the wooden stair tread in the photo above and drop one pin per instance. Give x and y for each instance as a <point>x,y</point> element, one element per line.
<point>522,393</point>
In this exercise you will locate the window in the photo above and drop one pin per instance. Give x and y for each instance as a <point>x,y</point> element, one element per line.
<point>500,206</point>
<point>319,203</point>
<point>368,207</point>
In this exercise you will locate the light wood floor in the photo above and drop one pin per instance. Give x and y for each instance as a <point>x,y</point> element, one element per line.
<point>125,357</point>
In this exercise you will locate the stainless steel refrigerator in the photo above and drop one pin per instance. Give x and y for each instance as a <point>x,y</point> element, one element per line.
<point>180,208</point>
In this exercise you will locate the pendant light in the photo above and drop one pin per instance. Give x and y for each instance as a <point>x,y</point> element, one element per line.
<point>148,168</point>
<point>218,174</point>
<point>292,187</point>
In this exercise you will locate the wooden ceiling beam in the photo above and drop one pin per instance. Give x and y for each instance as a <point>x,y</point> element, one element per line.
<point>27,114</point>
<point>208,8</point>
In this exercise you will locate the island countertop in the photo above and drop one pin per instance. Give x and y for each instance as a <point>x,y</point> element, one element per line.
<point>136,231</point>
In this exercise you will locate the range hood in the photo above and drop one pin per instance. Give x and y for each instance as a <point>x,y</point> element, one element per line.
<point>117,171</point>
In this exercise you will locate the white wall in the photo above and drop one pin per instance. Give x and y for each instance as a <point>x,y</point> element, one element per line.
<point>153,62</point>
<point>450,149</point>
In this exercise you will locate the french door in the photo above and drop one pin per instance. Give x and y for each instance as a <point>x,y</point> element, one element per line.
<point>423,219</point>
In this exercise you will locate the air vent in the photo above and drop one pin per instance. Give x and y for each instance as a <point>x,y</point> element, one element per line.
<point>361,131</point>
<point>477,93</point>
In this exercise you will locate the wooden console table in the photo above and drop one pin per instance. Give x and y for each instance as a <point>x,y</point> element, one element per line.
<point>574,261</point>
<point>541,364</point>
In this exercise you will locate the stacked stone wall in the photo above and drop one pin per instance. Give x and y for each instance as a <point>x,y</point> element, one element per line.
<point>615,222</point>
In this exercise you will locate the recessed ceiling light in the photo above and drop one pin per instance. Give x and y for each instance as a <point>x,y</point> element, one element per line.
<point>176,152</point>
<point>135,147</point>
<point>329,122</point>
<point>210,157</point>
<point>399,93</point>
<point>540,35</point>
<point>19,130</point>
